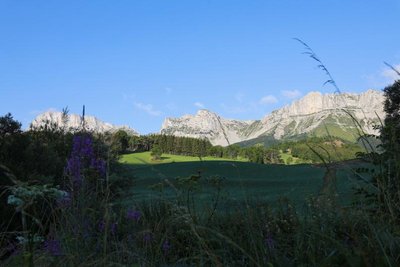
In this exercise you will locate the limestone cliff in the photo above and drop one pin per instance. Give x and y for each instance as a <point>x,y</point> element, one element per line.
<point>74,122</point>
<point>344,115</point>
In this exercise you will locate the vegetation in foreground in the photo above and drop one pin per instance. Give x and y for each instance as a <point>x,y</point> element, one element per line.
<point>240,181</point>
<point>68,216</point>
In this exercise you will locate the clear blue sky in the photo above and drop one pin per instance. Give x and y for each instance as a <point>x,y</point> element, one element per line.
<point>137,62</point>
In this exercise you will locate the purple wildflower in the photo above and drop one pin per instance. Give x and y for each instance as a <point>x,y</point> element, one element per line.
<point>82,146</point>
<point>113,228</point>
<point>166,246</point>
<point>12,248</point>
<point>64,201</point>
<point>148,237</point>
<point>270,242</point>
<point>82,158</point>
<point>53,247</point>
<point>74,169</point>
<point>133,215</point>
<point>102,226</point>
<point>99,165</point>
<point>87,147</point>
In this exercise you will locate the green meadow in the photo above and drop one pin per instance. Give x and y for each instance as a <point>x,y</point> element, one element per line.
<point>240,181</point>
<point>145,158</point>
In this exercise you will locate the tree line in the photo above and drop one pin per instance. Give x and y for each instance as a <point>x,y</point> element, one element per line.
<point>326,147</point>
<point>313,148</point>
<point>188,146</point>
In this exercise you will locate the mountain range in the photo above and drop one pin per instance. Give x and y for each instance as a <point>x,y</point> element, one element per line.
<point>74,121</point>
<point>344,115</point>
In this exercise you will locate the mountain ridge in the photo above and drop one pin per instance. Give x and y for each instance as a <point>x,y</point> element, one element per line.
<point>74,121</point>
<point>315,114</point>
<point>310,114</point>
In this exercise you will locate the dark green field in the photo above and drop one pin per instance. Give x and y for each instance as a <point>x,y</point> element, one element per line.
<point>241,180</point>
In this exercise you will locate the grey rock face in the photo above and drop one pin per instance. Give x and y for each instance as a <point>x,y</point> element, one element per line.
<point>206,124</point>
<point>344,113</point>
<point>74,122</point>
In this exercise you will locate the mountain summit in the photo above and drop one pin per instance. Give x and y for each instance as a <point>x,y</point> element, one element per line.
<point>74,121</point>
<point>206,124</point>
<point>316,114</point>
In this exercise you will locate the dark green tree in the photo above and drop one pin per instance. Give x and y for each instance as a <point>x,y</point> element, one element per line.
<point>134,143</point>
<point>13,146</point>
<point>389,182</point>
<point>156,152</point>
<point>9,126</point>
<point>390,133</point>
<point>120,141</point>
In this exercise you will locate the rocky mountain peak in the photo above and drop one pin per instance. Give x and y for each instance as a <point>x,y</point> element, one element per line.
<point>205,124</point>
<point>74,121</point>
<point>312,114</point>
<point>204,112</point>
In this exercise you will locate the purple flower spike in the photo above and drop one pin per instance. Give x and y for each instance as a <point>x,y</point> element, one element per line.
<point>148,237</point>
<point>64,202</point>
<point>166,246</point>
<point>100,167</point>
<point>102,226</point>
<point>53,247</point>
<point>270,242</point>
<point>83,158</point>
<point>113,228</point>
<point>133,215</point>
<point>74,168</point>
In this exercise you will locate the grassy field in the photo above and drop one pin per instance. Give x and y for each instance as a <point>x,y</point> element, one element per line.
<point>145,158</point>
<point>241,180</point>
<point>285,156</point>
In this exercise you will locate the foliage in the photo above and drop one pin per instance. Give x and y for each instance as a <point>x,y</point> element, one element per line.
<point>333,149</point>
<point>9,126</point>
<point>195,147</point>
<point>120,141</point>
<point>37,154</point>
<point>40,158</point>
<point>156,153</point>
<point>388,180</point>
<point>171,232</point>
<point>337,149</point>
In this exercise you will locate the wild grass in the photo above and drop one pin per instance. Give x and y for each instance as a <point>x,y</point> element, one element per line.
<point>242,180</point>
<point>174,233</point>
<point>92,230</point>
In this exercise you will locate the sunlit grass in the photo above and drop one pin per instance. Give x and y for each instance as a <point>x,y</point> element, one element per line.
<point>145,158</point>
<point>285,156</point>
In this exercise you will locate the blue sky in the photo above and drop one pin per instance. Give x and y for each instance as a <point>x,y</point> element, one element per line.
<point>137,62</point>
